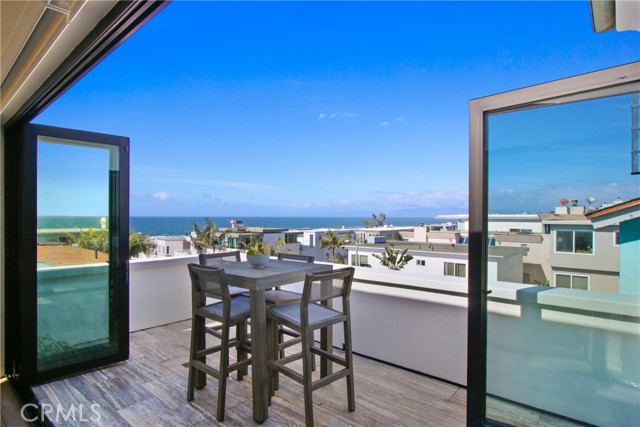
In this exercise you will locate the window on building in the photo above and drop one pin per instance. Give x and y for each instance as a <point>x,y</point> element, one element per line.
<point>311,240</point>
<point>572,281</point>
<point>579,242</point>
<point>616,238</point>
<point>421,262</point>
<point>461,270</point>
<point>455,269</point>
<point>583,242</point>
<point>364,260</point>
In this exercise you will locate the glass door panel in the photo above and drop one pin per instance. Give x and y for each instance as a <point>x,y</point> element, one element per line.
<point>73,256</point>
<point>70,227</point>
<point>563,332</point>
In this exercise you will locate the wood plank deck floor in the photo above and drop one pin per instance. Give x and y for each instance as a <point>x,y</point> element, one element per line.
<point>150,390</point>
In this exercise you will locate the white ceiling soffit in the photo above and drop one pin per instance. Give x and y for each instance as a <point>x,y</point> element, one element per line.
<point>619,15</point>
<point>36,39</point>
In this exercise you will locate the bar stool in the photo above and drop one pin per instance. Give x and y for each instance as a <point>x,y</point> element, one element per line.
<point>306,317</point>
<point>218,259</point>
<point>278,297</point>
<point>229,312</point>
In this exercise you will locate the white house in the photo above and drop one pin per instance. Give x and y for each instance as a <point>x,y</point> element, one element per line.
<point>505,264</point>
<point>309,242</point>
<point>171,245</point>
<point>380,234</point>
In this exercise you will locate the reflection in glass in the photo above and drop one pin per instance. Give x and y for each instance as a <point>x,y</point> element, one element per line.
<point>564,241</point>
<point>73,317</point>
<point>573,350</point>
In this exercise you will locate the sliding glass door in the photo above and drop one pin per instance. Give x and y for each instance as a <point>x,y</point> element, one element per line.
<point>75,251</point>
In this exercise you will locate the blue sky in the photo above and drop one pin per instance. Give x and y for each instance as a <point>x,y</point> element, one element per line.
<point>323,108</point>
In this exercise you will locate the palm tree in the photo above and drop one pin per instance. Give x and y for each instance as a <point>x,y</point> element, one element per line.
<point>376,221</point>
<point>277,247</point>
<point>394,260</point>
<point>208,237</point>
<point>331,240</point>
<point>139,244</point>
<point>96,240</point>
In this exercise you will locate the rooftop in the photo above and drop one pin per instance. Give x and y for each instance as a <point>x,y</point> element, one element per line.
<point>66,255</point>
<point>436,247</point>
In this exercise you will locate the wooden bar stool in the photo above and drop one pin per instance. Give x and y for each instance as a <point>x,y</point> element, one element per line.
<point>306,317</point>
<point>278,297</point>
<point>229,312</point>
<point>218,259</point>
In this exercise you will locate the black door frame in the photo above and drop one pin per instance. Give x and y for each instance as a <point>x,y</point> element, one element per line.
<point>21,260</point>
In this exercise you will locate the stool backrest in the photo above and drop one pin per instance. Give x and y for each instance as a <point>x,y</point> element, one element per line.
<point>219,258</point>
<point>296,257</point>
<point>341,281</point>
<point>210,280</point>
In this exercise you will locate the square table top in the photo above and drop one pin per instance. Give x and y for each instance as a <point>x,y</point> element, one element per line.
<point>275,273</point>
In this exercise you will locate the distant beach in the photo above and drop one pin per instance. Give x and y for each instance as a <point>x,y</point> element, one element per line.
<point>179,226</point>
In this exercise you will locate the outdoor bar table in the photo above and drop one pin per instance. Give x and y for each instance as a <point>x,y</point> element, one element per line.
<point>257,281</point>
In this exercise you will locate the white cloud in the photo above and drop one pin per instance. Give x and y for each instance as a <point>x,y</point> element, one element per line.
<point>162,196</point>
<point>157,197</point>
<point>384,123</point>
<point>336,116</point>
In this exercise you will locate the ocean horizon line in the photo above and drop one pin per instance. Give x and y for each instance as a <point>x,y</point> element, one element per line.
<point>183,225</point>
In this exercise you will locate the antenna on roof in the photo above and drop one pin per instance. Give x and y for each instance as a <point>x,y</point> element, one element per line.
<point>590,200</point>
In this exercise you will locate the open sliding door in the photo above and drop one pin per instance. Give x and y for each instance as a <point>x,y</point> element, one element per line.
<point>556,341</point>
<point>69,273</point>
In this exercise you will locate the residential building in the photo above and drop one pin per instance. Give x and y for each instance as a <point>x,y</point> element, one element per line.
<point>381,234</point>
<point>427,234</point>
<point>437,259</point>
<point>311,243</point>
<point>565,249</point>
<point>622,222</point>
<point>239,236</point>
<point>581,257</point>
<point>171,245</point>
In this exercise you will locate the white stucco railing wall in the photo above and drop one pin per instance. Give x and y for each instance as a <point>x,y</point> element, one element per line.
<point>418,330</point>
<point>159,291</point>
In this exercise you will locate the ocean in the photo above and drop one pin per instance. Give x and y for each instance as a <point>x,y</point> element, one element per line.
<point>179,226</point>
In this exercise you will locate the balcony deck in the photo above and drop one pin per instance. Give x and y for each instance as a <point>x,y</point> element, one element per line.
<point>150,389</point>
